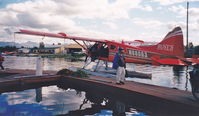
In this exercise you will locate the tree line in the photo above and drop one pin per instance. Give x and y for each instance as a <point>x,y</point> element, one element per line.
<point>8,49</point>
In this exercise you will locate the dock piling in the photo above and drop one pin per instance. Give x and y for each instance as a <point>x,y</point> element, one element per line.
<point>39,66</point>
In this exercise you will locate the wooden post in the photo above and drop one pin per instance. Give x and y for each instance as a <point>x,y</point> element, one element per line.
<point>39,66</point>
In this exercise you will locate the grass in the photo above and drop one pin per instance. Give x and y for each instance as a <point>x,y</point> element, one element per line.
<point>78,73</point>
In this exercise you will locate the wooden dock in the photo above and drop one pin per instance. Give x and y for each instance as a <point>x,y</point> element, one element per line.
<point>17,79</point>
<point>150,96</point>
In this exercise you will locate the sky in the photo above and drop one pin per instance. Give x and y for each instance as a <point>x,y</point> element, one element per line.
<point>147,20</point>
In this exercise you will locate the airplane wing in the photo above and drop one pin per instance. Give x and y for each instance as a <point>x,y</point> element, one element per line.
<point>59,35</point>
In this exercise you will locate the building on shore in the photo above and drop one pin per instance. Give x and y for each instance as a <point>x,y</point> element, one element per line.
<point>23,50</point>
<point>46,50</point>
<point>61,49</point>
<point>73,48</point>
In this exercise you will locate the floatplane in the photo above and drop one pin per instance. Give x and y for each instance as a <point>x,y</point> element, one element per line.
<point>170,51</point>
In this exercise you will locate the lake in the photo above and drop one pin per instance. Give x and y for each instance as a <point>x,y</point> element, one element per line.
<point>54,100</point>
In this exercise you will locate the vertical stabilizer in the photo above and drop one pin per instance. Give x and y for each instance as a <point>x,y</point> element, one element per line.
<point>172,44</point>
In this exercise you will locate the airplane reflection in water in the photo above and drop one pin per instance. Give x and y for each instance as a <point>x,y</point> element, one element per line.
<point>101,106</point>
<point>48,101</point>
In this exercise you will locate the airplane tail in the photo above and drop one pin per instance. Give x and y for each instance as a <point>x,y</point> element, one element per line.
<point>172,44</point>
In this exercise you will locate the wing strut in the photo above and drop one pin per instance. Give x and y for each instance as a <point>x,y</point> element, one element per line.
<point>80,44</point>
<point>85,44</point>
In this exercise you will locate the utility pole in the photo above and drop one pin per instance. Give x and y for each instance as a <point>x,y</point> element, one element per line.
<point>187,26</point>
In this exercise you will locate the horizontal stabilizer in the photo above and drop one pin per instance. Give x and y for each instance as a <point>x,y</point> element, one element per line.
<point>168,61</point>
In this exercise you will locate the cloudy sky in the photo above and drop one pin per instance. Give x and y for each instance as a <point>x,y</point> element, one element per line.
<point>148,20</point>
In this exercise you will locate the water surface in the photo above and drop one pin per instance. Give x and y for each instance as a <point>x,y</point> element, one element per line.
<point>168,76</point>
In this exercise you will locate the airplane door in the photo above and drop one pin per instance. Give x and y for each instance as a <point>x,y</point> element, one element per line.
<point>104,50</point>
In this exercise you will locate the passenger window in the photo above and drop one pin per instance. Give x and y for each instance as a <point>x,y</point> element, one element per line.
<point>113,47</point>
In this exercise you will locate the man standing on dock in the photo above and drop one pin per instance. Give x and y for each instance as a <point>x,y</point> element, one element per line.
<point>120,65</point>
<point>1,62</point>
